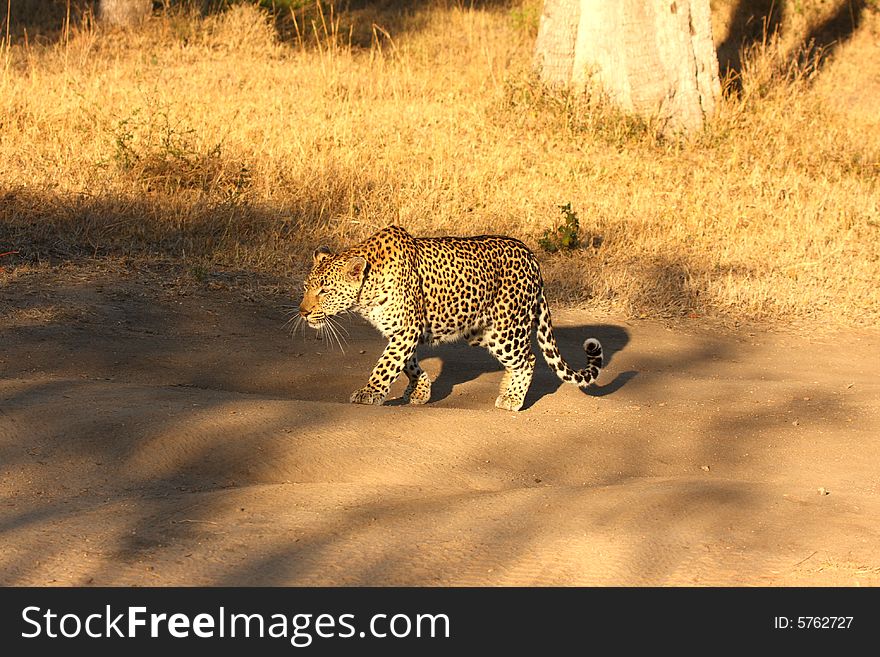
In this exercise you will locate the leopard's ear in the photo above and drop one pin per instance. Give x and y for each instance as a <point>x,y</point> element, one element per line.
<point>321,253</point>
<point>355,268</point>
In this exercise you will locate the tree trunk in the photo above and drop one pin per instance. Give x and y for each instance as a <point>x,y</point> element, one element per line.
<point>124,13</point>
<point>654,58</point>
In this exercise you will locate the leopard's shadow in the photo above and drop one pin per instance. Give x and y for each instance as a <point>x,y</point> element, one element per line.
<point>462,363</point>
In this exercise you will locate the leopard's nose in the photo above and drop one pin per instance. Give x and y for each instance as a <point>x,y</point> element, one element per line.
<point>303,312</point>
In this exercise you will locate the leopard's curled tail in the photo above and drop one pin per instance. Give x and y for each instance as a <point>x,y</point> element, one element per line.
<point>547,343</point>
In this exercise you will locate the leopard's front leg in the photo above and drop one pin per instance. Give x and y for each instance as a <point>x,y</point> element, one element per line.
<point>401,346</point>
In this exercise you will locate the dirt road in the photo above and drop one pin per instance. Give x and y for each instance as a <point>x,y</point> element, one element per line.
<point>155,434</point>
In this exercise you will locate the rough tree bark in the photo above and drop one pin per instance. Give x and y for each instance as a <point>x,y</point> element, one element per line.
<point>124,13</point>
<point>654,58</point>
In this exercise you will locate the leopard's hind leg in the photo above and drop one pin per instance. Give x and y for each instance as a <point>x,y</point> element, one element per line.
<point>513,350</point>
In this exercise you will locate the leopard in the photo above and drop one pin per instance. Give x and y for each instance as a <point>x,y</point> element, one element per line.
<point>485,289</point>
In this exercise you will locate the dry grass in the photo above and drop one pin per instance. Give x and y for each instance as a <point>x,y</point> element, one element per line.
<point>212,139</point>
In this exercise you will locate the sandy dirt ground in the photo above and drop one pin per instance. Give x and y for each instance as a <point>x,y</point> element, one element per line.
<point>157,433</point>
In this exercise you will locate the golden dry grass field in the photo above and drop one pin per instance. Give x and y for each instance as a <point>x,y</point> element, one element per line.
<point>238,139</point>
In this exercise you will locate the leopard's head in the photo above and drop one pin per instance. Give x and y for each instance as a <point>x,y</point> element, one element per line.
<point>332,286</point>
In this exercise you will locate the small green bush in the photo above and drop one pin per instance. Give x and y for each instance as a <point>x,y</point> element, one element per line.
<point>565,237</point>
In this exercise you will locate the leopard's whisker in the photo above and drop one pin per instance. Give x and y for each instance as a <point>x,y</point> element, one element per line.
<point>339,326</point>
<point>342,328</point>
<point>342,336</point>
<point>329,335</point>
<point>334,332</point>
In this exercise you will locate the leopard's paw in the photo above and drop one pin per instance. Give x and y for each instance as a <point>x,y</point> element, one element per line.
<point>367,395</point>
<point>508,403</point>
<point>419,391</point>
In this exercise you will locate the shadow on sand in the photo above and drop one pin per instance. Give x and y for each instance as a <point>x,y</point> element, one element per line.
<point>462,363</point>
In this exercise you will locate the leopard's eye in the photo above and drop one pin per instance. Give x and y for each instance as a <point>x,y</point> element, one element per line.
<point>322,291</point>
